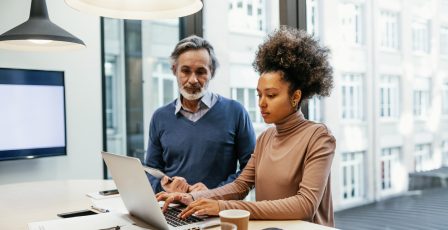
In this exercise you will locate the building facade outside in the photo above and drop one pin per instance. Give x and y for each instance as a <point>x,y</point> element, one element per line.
<point>388,109</point>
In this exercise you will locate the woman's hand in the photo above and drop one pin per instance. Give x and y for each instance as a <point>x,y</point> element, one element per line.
<point>201,207</point>
<point>175,184</point>
<point>175,197</point>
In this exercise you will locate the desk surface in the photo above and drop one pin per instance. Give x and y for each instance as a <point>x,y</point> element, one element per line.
<point>23,203</point>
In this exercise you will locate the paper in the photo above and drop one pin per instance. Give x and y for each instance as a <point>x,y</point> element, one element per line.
<point>98,221</point>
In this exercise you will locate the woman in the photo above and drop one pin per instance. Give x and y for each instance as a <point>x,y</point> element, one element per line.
<point>291,164</point>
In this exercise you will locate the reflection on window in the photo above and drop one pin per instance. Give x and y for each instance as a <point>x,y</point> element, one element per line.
<point>389,163</point>
<point>421,97</point>
<point>352,176</point>
<point>389,27</point>
<point>389,96</point>
<point>247,15</point>
<point>423,157</point>
<point>315,109</point>
<point>351,21</point>
<point>421,35</point>
<point>352,96</point>
<point>444,41</point>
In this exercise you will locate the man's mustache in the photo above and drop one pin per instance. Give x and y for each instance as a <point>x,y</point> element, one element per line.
<point>192,87</point>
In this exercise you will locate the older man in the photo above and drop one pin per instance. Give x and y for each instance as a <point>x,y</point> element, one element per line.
<point>199,138</point>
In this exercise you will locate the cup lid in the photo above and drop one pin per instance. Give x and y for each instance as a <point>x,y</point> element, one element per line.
<point>234,213</point>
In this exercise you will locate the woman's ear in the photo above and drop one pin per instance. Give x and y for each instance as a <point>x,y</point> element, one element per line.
<point>297,95</point>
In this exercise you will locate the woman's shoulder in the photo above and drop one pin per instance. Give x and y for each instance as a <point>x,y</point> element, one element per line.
<point>319,129</point>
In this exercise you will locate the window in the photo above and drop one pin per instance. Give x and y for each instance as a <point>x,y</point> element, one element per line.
<point>315,109</point>
<point>351,20</point>
<point>352,96</point>
<point>390,31</point>
<point>421,97</point>
<point>389,163</point>
<point>445,98</point>
<point>111,92</point>
<point>389,96</point>
<point>421,35</point>
<point>445,153</point>
<point>247,16</point>
<point>164,85</point>
<point>423,157</point>
<point>352,176</point>
<point>248,98</point>
<point>312,24</point>
<point>137,79</point>
<point>444,41</point>
<point>244,26</point>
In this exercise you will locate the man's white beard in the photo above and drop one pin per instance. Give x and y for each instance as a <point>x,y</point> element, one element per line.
<point>192,96</point>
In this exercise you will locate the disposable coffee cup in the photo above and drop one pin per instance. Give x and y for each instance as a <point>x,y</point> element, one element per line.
<point>236,216</point>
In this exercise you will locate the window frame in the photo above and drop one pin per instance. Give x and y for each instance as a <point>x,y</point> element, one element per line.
<point>388,42</point>
<point>355,174</point>
<point>389,85</point>
<point>357,98</point>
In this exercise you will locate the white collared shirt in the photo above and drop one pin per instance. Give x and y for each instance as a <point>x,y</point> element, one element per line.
<point>206,103</point>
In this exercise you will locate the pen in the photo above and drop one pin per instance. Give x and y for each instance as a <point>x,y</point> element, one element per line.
<point>102,210</point>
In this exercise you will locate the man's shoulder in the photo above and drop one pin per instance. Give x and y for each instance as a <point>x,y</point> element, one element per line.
<point>165,110</point>
<point>230,103</point>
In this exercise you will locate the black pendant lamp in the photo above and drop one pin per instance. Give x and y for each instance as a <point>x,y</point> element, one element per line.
<point>39,33</point>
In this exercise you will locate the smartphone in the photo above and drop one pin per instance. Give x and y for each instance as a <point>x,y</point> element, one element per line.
<point>108,192</point>
<point>84,212</point>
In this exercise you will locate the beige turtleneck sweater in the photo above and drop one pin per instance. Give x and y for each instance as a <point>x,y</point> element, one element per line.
<point>290,168</point>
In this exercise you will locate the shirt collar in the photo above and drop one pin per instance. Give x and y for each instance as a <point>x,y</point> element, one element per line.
<point>206,101</point>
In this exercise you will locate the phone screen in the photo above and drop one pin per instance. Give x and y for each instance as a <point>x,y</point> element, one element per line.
<point>85,212</point>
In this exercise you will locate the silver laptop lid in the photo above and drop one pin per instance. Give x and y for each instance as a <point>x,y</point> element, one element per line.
<point>135,189</point>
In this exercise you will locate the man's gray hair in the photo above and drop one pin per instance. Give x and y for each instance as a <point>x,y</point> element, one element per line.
<point>194,42</point>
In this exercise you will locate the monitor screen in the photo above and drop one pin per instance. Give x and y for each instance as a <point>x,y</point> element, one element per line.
<point>32,114</point>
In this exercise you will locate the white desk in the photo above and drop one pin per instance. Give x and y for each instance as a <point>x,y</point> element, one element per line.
<point>36,201</point>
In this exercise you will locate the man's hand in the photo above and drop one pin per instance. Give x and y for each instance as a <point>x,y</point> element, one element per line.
<point>175,197</point>
<point>201,207</point>
<point>197,187</point>
<point>176,184</point>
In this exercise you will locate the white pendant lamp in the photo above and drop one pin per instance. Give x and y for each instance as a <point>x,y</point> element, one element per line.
<point>38,33</point>
<point>137,9</point>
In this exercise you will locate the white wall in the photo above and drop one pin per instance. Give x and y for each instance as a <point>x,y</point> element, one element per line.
<point>83,94</point>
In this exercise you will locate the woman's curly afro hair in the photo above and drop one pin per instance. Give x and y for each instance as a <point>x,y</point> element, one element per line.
<point>303,62</point>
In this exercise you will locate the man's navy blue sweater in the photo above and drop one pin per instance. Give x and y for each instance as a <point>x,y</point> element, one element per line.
<point>204,151</point>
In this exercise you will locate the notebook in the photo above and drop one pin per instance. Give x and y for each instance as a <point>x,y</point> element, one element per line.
<point>139,198</point>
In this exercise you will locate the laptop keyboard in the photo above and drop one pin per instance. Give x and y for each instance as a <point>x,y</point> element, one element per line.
<point>172,219</point>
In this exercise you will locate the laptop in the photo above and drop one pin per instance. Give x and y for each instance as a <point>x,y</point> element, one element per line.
<point>139,198</point>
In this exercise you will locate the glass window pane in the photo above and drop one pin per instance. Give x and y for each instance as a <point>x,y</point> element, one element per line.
<point>142,80</point>
<point>236,34</point>
<point>167,91</point>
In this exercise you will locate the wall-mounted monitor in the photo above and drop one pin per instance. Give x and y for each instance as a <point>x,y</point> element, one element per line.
<point>32,114</point>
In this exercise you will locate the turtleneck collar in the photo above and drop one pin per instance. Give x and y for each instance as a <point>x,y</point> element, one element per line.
<point>290,123</point>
